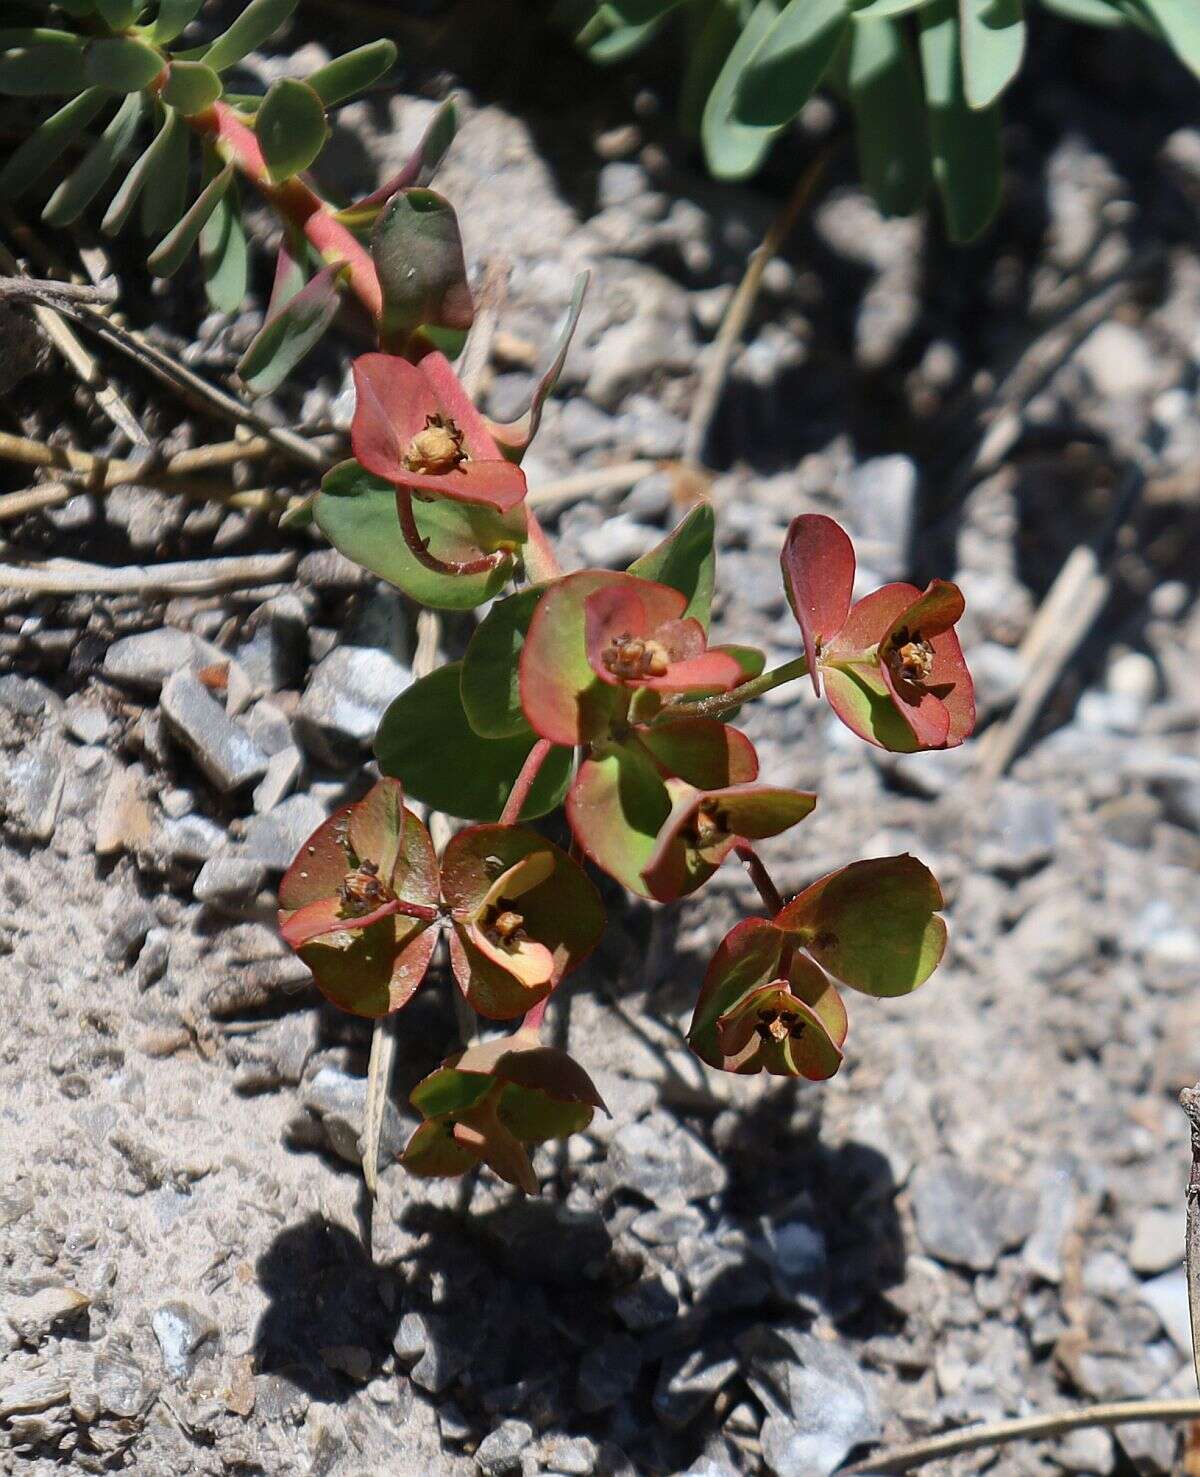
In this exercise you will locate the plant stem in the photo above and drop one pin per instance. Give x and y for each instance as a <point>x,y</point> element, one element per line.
<point>759,875</point>
<point>523,783</point>
<point>713,707</point>
<point>418,547</point>
<point>533,1018</point>
<point>1025,1428</point>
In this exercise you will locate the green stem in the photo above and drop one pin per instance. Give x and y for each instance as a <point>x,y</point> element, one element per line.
<point>723,702</point>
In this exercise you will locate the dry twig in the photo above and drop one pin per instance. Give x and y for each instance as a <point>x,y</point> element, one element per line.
<point>185,577</point>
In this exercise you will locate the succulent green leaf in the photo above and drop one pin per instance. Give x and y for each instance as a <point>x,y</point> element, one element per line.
<point>616,808</point>
<point>993,44</point>
<point>889,109</point>
<point>747,958</point>
<point>357,514</point>
<point>875,10</point>
<point>53,67</point>
<point>223,251</point>
<point>1089,12</point>
<point>117,14</point>
<point>291,127</point>
<point>490,687</point>
<point>85,182</point>
<point>123,202</point>
<point>174,16</point>
<point>418,254</point>
<point>535,1118</point>
<point>447,1091</point>
<point>1179,21</point>
<point>351,73</point>
<point>713,38</point>
<point>171,252</point>
<point>47,144</point>
<point>426,742</point>
<point>685,560</point>
<point>164,195</point>
<point>418,170</point>
<point>122,63</point>
<point>191,87</point>
<point>788,64</point>
<point>255,24</point>
<point>966,142</point>
<point>874,925</point>
<point>734,150</point>
<point>291,333</point>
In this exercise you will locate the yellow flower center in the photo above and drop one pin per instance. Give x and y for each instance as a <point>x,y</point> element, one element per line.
<point>437,449</point>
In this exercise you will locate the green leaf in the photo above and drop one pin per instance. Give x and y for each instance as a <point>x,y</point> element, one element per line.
<point>426,742</point>
<point>966,143</point>
<point>1089,12</point>
<point>291,127</point>
<point>1179,21</point>
<point>735,150</point>
<point>639,12</point>
<point>123,202</point>
<point>351,73</point>
<point>117,14</point>
<point>685,560</point>
<point>789,62</point>
<point>122,63</point>
<point>418,254</point>
<point>875,10</point>
<point>993,44</point>
<point>419,168</point>
<point>81,187</point>
<point>50,141</point>
<point>515,436</point>
<point>711,43</point>
<point>873,924</point>
<point>357,514</point>
<point>43,69</point>
<point>889,110</point>
<point>171,252</point>
<point>191,87</point>
<point>223,250</point>
<point>174,16</point>
<point>747,958</point>
<point>259,20</point>
<point>616,808</point>
<point>447,1091</point>
<point>490,688</point>
<point>291,333</point>
<point>164,195</point>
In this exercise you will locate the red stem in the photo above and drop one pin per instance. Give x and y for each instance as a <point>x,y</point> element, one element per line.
<point>418,547</point>
<point>294,200</point>
<point>533,1018</point>
<point>523,783</point>
<point>759,876</point>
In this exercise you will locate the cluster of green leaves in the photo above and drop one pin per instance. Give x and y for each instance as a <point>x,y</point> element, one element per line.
<point>151,112</point>
<point>922,79</point>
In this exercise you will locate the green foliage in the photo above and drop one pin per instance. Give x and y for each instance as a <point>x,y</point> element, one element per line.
<point>757,62</point>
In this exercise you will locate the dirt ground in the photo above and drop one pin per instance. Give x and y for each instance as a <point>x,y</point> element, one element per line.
<point>981,1216</point>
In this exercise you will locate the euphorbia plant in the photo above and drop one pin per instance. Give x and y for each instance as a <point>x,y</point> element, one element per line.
<point>596,690</point>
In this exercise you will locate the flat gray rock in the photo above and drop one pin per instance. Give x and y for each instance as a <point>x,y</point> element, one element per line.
<point>221,747</point>
<point>146,659</point>
<point>347,696</point>
<point>966,1220</point>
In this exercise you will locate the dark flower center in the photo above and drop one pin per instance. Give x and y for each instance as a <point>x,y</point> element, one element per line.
<point>362,891</point>
<point>911,656</point>
<point>634,658</point>
<point>436,449</point>
<point>504,926</point>
<point>779,1026</point>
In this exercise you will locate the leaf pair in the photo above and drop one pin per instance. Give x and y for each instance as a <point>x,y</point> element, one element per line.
<point>359,901</point>
<point>768,1003</point>
<point>892,666</point>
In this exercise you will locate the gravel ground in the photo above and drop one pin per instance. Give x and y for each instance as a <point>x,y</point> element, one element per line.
<point>982,1215</point>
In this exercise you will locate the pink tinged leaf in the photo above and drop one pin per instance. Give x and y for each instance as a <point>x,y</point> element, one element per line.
<point>417,170</point>
<point>529,962</point>
<point>515,436</point>
<point>800,1045</point>
<point>863,702</point>
<point>701,751</point>
<point>482,1134</point>
<point>920,702</point>
<point>522,1059</point>
<point>376,826</point>
<point>320,864</point>
<point>626,608</point>
<point>320,919</point>
<point>869,621</point>
<point>713,671</point>
<point>395,401</point>
<point>818,576</point>
<point>926,715</point>
<point>433,1153</point>
<point>616,808</point>
<point>747,958</point>
<point>530,871</point>
<point>491,987</point>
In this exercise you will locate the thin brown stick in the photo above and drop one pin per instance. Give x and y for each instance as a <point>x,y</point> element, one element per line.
<point>185,577</point>
<point>50,291</point>
<point>591,484</point>
<point>1024,1428</point>
<point>1189,1101</point>
<point>737,314</point>
<point>81,362</point>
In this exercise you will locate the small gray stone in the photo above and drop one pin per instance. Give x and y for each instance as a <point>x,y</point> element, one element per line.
<point>88,724</point>
<point>573,1456</point>
<point>154,958</point>
<point>647,1304</point>
<point>277,652</point>
<point>145,660</point>
<point>31,788</point>
<point>230,883</point>
<point>275,838</point>
<point>1157,1243</point>
<point>26,697</point>
<point>120,1385</point>
<point>966,1220</point>
<point>617,542</point>
<point>33,1317</point>
<point>688,1383</point>
<point>881,500</point>
<point>221,747</point>
<point>339,1102</point>
<point>269,726</point>
<point>34,1390</point>
<point>1057,1208</point>
<point>664,1162</point>
<point>188,840</point>
<point>284,771</point>
<point>1021,829</point>
<point>180,1331</point>
<point>1118,361</point>
<point>347,696</point>
<point>500,1452</point>
<point>1168,1296</point>
<point>608,1372</point>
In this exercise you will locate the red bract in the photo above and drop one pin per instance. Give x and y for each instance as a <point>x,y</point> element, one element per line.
<point>893,668</point>
<point>415,426</point>
<point>357,902</point>
<point>485,1104</point>
<point>596,638</point>
<point>765,1008</point>
<point>523,915</point>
